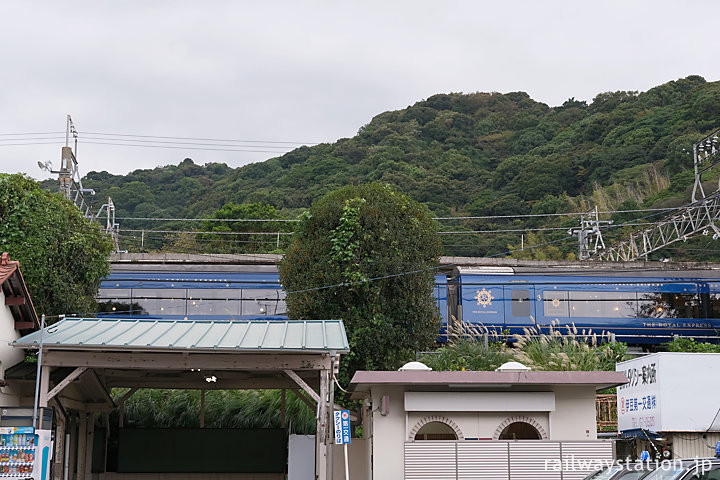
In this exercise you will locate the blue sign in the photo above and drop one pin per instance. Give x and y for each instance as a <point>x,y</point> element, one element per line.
<point>342,426</point>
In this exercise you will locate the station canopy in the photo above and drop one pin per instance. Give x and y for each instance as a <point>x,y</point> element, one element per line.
<point>150,335</point>
<point>184,354</point>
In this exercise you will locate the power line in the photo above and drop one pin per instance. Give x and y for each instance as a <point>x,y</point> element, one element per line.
<point>158,219</point>
<point>31,143</point>
<point>198,232</point>
<point>22,139</point>
<point>202,139</point>
<point>568,214</point>
<point>32,133</point>
<point>207,144</point>
<point>520,230</point>
<point>185,148</point>
<point>488,217</point>
<point>529,247</point>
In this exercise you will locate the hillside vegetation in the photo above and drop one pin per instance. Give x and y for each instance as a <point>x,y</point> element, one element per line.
<point>474,154</point>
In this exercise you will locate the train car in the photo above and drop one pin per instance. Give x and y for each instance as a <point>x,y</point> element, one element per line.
<point>192,295</point>
<point>637,308</point>
<point>637,305</point>
<point>161,293</point>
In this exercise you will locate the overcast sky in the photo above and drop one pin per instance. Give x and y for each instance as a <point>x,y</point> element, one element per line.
<point>308,72</point>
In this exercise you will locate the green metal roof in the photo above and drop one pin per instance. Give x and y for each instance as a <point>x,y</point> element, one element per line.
<point>311,336</point>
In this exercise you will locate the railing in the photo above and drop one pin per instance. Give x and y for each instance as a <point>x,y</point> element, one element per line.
<point>606,413</point>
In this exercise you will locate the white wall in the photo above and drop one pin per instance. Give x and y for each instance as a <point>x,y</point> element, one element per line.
<point>388,435</point>
<point>9,356</point>
<point>478,425</point>
<point>574,417</point>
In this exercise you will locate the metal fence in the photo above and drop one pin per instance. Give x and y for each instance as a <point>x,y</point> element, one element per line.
<point>506,460</point>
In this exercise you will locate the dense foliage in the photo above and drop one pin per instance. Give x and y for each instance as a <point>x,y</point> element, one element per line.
<point>149,408</point>
<point>557,349</point>
<point>473,154</point>
<point>62,255</point>
<point>685,344</point>
<point>378,250</point>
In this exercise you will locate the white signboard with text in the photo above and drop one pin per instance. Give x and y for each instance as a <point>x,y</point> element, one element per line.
<point>638,401</point>
<point>670,392</point>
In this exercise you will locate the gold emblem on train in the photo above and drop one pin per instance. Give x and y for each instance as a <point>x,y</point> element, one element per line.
<point>484,297</point>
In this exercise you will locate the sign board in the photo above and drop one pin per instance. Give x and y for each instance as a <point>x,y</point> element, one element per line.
<point>342,426</point>
<point>670,392</point>
<point>638,401</point>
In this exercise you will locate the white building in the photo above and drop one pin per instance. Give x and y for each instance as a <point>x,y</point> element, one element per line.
<point>422,424</point>
<point>671,403</point>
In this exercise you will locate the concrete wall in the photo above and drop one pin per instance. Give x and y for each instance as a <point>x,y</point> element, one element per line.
<point>574,416</point>
<point>388,434</point>
<point>9,356</point>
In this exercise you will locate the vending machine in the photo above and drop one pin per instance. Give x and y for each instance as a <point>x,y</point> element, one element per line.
<point>25,451</point>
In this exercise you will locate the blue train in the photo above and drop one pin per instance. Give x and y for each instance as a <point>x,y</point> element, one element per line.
<point>637,306</point>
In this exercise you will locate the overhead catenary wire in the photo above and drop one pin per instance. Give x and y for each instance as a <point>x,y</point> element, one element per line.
<point>486,217</point>
<point>195,232</point>
<point>566,214</point>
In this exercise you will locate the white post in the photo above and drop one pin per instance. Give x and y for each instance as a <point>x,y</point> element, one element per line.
<point>347,470</point>
<point>37,373</point>
<point>322,455</point>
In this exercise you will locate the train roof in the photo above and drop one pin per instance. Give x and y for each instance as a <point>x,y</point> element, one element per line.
<point>267,263</point>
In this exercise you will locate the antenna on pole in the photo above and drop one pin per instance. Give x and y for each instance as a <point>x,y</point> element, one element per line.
<point>71,183</point>
<point>589,227</point>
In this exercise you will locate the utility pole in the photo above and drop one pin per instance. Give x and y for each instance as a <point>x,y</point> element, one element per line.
<point>71,183</point>
<point>589,226</point>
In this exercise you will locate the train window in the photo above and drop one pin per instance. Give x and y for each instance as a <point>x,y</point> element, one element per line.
<point>264,301</point>
<point>213,301</point>
<point>117,301</point>
<point>714,305</point>
<point>668,305</point>
<point>161,301</point>
<point>603,304</point>
<point>520,303</point>
<point>113,293</point>
<point>555,303</point>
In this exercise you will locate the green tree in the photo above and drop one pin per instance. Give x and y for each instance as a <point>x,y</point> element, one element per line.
<point>258,243</point>
<point>366,255</point>
<point>63,256</point>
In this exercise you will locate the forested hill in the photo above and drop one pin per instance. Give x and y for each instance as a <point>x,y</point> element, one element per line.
<point>465,154</point>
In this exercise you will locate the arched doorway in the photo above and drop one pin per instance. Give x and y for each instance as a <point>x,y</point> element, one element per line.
<point>436,431</point>
<point>520,431</point>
